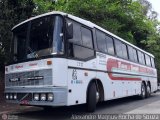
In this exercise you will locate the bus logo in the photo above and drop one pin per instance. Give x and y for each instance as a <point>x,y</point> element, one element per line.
<point>74,74</point>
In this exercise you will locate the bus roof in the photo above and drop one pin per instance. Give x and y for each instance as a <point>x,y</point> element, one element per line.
<point>83,21</point>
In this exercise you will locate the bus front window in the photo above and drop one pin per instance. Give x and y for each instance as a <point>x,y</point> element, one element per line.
<point>40,37</point>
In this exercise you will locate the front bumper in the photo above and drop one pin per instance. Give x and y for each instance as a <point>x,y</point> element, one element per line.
<point>25,95</point>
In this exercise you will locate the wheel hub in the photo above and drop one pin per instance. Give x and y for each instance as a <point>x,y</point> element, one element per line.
<point>97,96</point>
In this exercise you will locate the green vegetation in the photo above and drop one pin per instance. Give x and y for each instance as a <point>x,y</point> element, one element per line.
<point>134,21</point>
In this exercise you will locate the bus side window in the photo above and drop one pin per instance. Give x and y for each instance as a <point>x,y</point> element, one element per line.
<point>148,62</point>
<point>121,49</point>
<point>81,46</point>
<point>110,45</point>
<point>124,51</point>
<point>141,57</point>
<point>101,42</point>
<point>118,47</point>
<point>132,54</point>
<point>86,37</point>
<point>135,55</point>
<point>152,61</point>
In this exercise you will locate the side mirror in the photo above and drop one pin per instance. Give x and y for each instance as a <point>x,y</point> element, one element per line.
<point>69,30</point>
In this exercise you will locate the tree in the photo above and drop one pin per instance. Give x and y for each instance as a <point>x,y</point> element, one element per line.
<point>11,13</point>
<point>134,21</point>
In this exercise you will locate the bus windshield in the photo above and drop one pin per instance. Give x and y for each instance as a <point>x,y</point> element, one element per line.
<point>39,37</point>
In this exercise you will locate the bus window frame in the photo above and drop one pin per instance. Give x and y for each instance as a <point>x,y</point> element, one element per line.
<point>96,43</point>
<point>67,41</point>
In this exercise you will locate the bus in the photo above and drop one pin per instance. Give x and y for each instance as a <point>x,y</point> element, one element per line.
<point>61,60</point>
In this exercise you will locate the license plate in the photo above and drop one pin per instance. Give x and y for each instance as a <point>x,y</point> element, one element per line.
<point>24,102</point>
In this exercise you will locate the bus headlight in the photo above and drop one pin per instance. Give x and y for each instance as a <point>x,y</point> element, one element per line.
<point>50,96</point>
<point>7,96</point>
<point>36,96</point>
<point>43,96</point>
<point>15,96</point>
<point>11,96</point>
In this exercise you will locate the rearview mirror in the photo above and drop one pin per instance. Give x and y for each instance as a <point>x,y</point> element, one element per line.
<point>69,29</point>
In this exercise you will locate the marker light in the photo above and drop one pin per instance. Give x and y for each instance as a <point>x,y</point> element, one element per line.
<point>43,96</point>
<point>11,96</point>
<point>36,96</point>
<point>49,62</point>
<point>7,96</point>
<point>50,97</point>
<point>15,96</point>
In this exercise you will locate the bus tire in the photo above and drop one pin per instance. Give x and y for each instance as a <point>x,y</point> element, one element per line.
<point>143,91</point>
<point>91,97</point>
<point>148,94</point>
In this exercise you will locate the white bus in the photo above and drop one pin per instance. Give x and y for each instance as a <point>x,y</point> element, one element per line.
<point>63,60</point>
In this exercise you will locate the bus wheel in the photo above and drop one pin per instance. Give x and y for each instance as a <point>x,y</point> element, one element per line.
<point>143,91</point>
<point>91,97</point>
<point>148,91</point>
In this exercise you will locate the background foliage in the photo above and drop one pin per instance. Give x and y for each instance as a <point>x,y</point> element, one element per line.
<point>134,21</point>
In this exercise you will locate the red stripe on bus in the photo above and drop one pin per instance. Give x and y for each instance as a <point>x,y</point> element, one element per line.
<point>122,78</point>
<point>112,63</point>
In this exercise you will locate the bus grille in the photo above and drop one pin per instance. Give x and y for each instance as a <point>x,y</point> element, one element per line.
<point>26,78</point>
